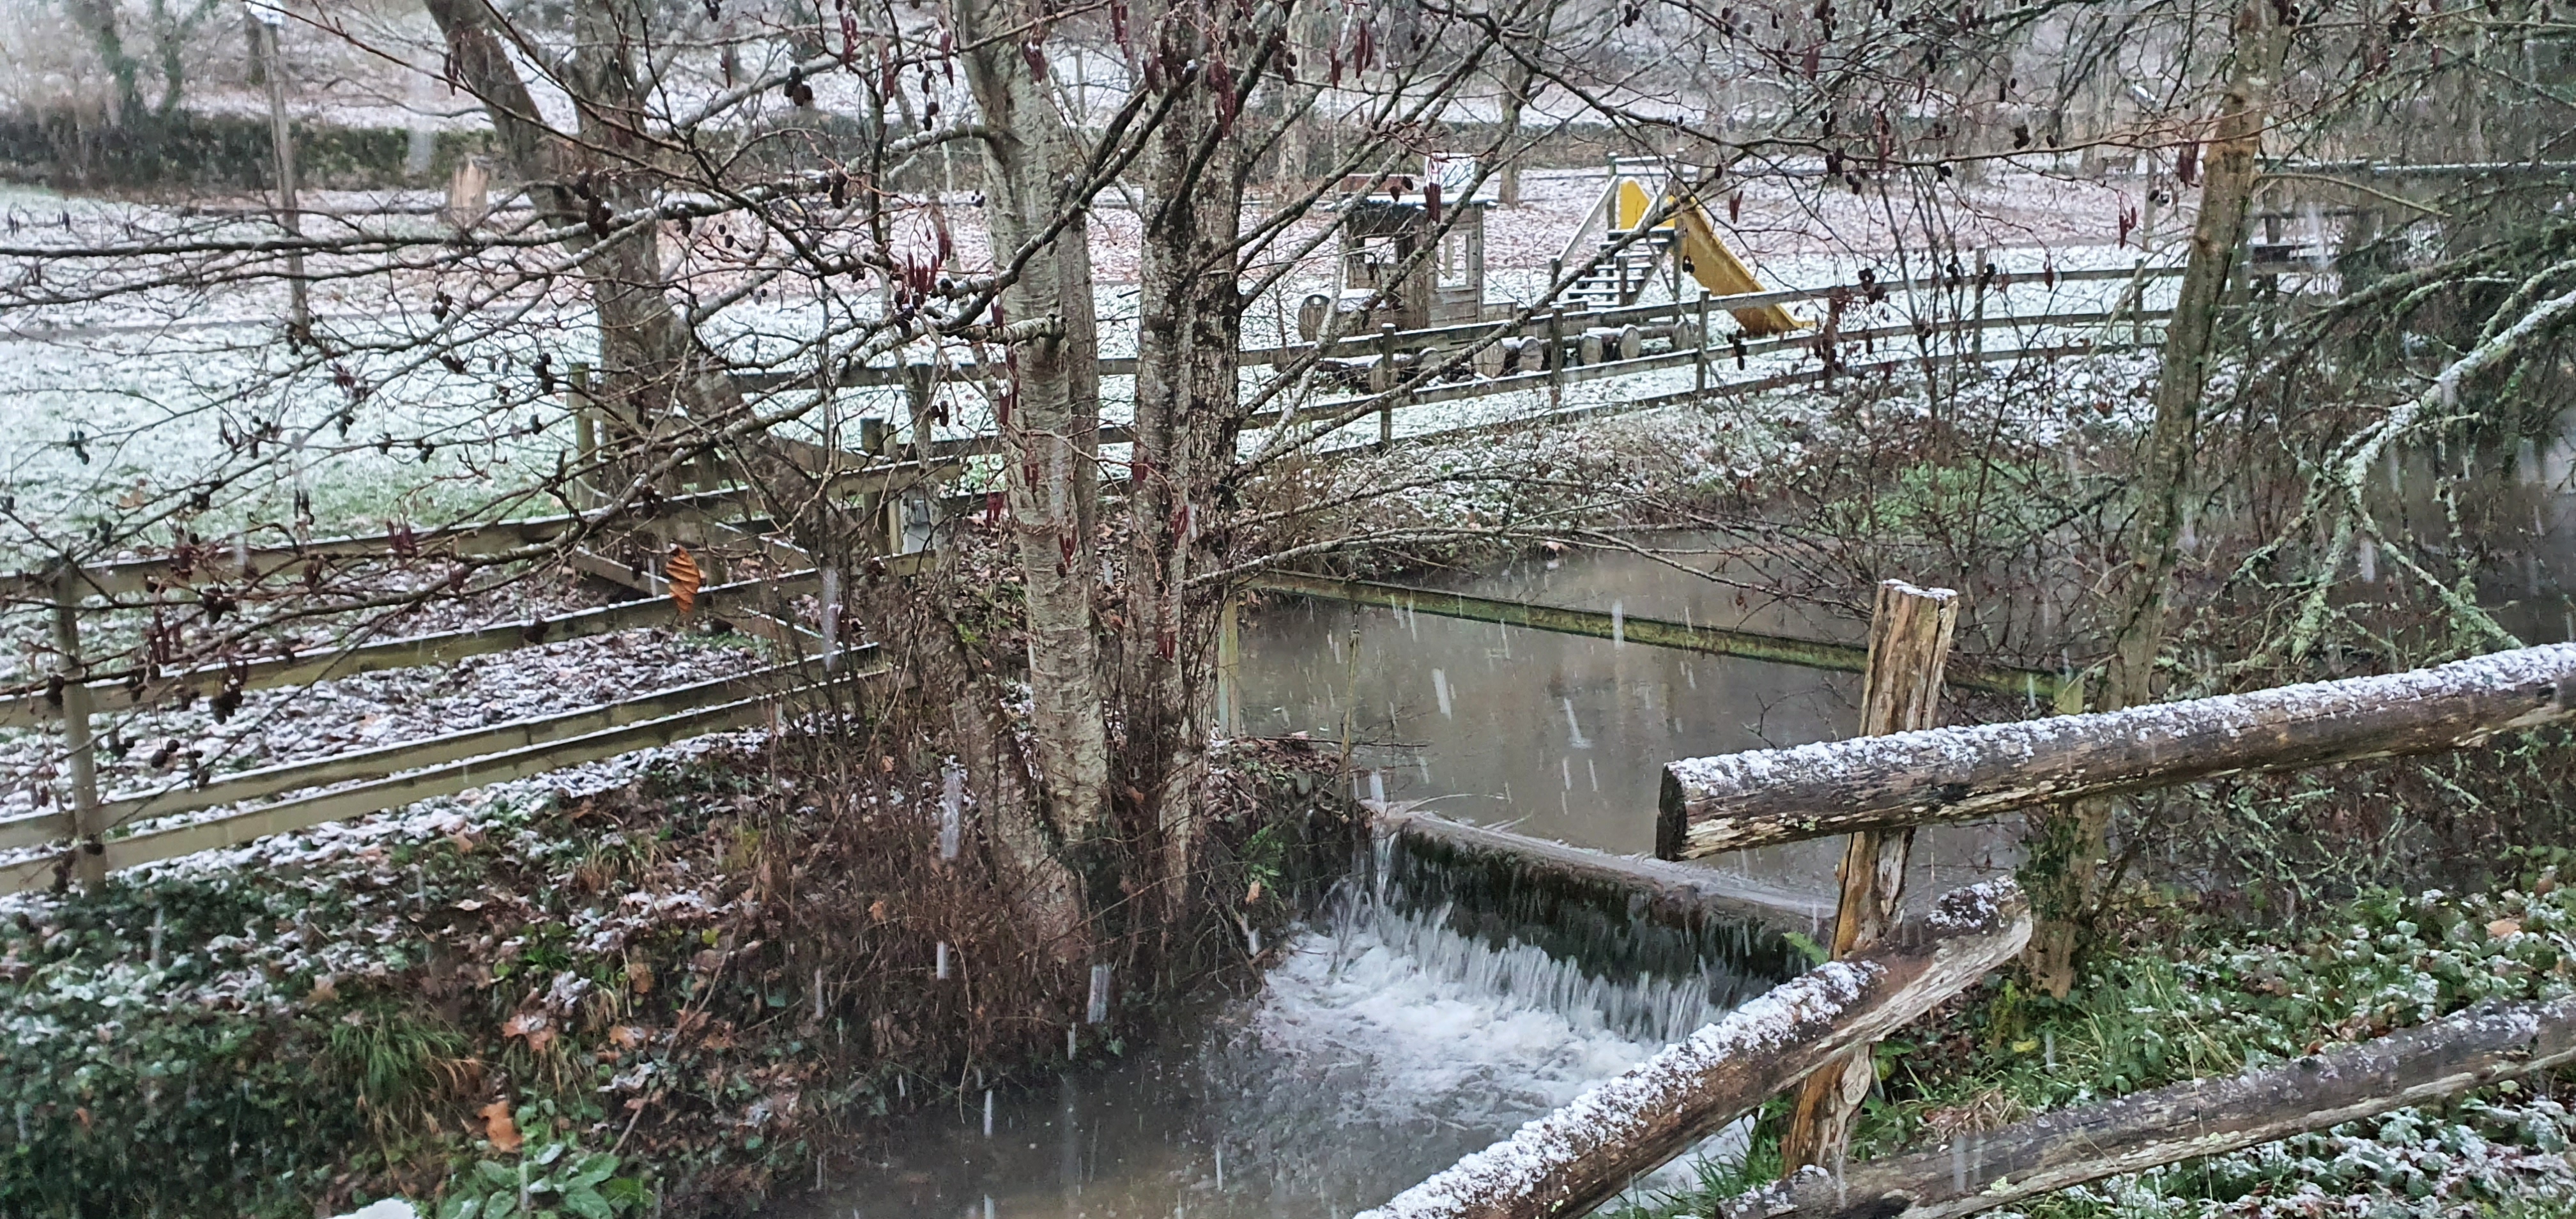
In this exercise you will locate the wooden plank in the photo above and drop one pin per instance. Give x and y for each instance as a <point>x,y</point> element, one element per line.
<point>384,760</point>
<point>2055,1151</point>
<point>1909,643</point>
<point>1652,632</point>
<point>413,651</point>
<point>1767,796</point>
<point>448,779</point>
<point>125,576</point>
<point>1671,894</point>
<point>1564,1164</point>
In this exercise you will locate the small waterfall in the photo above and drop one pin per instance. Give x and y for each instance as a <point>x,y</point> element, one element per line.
<point>1517,975</point>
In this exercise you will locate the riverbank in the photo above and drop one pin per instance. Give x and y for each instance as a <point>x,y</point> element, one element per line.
<point>613,979</point>
<point>2186,996</point>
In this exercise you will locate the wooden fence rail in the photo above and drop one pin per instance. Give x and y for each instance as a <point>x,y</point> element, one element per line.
<point>407,771</point>
<point>1651,632</point>
<point>1564,1164</point>
<point>304,812</point>
<point>1770,796</point>
<point>2070,1147</point>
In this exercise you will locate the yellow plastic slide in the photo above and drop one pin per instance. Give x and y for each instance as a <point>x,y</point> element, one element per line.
<point>1707,258</point>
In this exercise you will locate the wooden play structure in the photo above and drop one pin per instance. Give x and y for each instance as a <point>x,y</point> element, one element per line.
<point>1620,259</point>
<point>1385,223</point>
<point>1644,223</point>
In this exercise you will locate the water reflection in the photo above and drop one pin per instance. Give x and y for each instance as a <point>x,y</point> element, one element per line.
<point>1563,736</point>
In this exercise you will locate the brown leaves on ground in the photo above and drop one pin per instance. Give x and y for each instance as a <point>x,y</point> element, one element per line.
<point>498,1127</point>
<point>682,571</point>
<point>535,1026</point>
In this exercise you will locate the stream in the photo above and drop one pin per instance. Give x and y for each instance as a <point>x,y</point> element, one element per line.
<point>1384,1042</point>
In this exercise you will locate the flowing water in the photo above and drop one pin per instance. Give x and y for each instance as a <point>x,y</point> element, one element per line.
<point>1395,1034</point>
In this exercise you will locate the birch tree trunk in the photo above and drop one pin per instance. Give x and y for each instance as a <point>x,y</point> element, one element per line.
<point>1188,407</point>
<point>2068,842</point>
<point>1049,424</point>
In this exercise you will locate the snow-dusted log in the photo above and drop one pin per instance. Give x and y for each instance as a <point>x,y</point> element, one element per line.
<point>1671,894</point>
<point>1767,796</point>
<point>2202,1118</point>
<point>1571,1160</point>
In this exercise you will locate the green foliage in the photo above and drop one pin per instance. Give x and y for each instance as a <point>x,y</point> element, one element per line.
<point>545,1181</point>
<point>2223,1002</point>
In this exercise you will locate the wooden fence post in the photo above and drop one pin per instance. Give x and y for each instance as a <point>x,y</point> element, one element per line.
<point>1699,356</point>
<point>1556,357</point>
<point>89,861</point>
<point>1909,642</point>
<point>1977,332</point>
<point>1229,669</point>
<point>585,439</point>
<point>1386,405</point>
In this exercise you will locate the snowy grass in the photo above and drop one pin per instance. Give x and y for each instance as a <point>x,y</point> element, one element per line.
<point>2213,1001</point>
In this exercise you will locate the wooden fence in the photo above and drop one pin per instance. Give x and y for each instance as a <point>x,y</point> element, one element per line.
<point>1577,347</point>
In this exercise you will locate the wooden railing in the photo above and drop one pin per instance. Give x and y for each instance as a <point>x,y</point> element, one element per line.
<point>369,780</point>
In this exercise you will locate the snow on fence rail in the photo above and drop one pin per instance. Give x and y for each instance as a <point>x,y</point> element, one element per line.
<point>1767,796</point>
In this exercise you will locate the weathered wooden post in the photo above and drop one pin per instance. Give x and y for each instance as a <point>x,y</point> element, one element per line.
<point>1699,355</point>
<point>1909,642</point>
<point>89,859</point>
<point>1556,357</point>
<point>1229,669</point>
<point>1386,405</point>
<point>2138,305</point>
<point>585,439</point>
<point>1977,330</point>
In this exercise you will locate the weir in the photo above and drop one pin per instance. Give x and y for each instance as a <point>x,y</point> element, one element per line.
<point>1427,1008</point>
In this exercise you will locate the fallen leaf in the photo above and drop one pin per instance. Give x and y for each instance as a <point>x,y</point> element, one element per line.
<point>463,844</point>
<point>1252,896</point>
<point>470,905</point>
<point>2503,927</point>
<point>877,910</point>
<point>682,572</point>
<point>498,1127</point>
<point>627,1036</point>
<point>324,990</point>
<point>534,1026</point>
<point>639,978</point>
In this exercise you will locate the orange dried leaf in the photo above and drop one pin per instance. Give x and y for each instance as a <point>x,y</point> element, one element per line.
<point>2504,927</point>
<point>498,1127</point>
<point>682,572</point>
<point>639,978</point>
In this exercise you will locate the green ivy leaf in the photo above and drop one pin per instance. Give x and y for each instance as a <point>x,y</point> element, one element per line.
<point>587,1203</point>
<point>498,1176</point>
<point>462,1206</point>
<point>592,1170</point>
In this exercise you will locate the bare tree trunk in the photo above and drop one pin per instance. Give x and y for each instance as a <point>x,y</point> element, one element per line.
<point>1520,75</point>
<point>2071,840</point>
<point>97,18</point>
<point>1050,433</point>
<point>652,364</point>
<point>1189,315</point>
